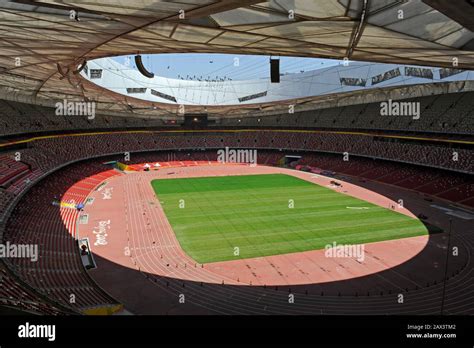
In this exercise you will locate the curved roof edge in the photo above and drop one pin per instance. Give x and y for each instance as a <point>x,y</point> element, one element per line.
<point>43,52</point>
<point>337,79</point>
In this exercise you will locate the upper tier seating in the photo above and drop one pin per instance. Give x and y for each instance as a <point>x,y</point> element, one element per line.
<point>447,114</point>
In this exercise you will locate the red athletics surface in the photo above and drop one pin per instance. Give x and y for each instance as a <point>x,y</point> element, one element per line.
<point>141,263</point>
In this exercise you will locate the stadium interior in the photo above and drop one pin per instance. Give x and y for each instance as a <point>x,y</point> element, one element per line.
<point>56,166</point>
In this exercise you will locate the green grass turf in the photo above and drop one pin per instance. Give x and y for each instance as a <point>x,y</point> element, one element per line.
<point>252,212</point>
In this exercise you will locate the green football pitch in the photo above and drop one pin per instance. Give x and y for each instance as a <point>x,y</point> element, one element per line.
<point>271,214</point>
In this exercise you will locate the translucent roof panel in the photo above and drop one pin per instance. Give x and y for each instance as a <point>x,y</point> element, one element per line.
<point>217,88</point>
<point>43,42</point>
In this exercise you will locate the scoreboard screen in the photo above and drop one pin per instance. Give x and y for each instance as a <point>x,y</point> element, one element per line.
<point>195,120</point>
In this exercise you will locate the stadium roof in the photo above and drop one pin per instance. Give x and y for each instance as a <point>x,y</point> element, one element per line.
<point>43,42</point>
<point>342,78</point>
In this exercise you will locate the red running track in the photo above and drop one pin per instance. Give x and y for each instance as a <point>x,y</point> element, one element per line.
<point>140,238</point>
